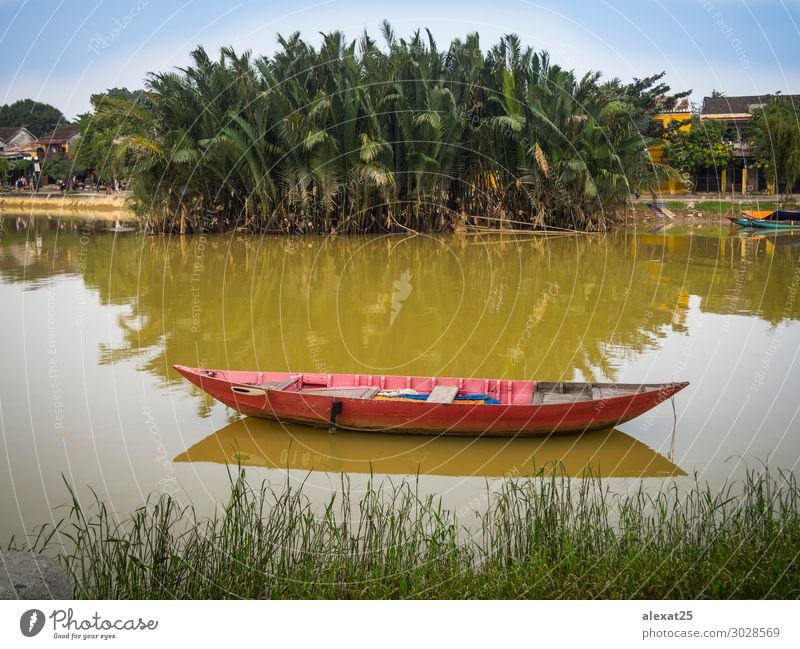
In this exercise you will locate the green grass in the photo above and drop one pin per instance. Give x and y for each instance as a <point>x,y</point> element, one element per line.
<point>544,537</point>
<point>723,207</point>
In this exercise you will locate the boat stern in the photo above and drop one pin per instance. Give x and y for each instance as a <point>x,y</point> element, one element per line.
<point>671,389</point>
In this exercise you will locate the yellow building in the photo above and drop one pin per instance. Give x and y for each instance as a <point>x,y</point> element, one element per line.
<point>62,140</point>
<point>684,117</point>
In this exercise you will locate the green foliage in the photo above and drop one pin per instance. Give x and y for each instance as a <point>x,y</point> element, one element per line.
<point>20,165</point>
<point>352,137</point>
<point>37,117</point>
<point>103,126</point>
<point>725,207</point>
<point>63,168</point>
<point>707,144</point>
<point>647,96</point>
<point>775,132</point>
<point>546,537</point>
<point>650,94</point>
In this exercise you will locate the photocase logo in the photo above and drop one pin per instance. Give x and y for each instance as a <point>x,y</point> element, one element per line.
<point>402,289</point>
<point>31,622</point>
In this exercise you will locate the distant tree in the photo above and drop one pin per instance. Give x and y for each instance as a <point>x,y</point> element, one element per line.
<point>21,165</point>
<point>648,96</point>
<point>37,117</point>
<point>775,133</point>
<point>101,127</point>
<point>63,168</point>
<point>707,144</point>
<point>5,167</point>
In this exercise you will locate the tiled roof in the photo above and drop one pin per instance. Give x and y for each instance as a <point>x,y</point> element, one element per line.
<point>738,105</point>
<point>62,132</point>
<point>22,148</point>
<point>7,132</point>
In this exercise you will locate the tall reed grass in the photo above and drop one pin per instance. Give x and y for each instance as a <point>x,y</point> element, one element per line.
<point>545,537</point>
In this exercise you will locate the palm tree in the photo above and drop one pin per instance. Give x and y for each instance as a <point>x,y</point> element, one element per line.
<point>358,138</point>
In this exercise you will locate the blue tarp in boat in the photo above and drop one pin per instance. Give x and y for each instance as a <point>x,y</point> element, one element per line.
<point>464,397</point>
<point>784,215</point>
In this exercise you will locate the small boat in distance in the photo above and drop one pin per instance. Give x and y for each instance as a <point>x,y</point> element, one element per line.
<point>774,219</point>
<point>430,405</point>
<point>740,221</point>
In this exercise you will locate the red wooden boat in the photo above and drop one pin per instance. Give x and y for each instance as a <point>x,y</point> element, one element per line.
<point>416,404</point>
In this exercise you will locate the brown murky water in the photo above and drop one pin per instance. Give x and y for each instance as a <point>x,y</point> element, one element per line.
<point>92,321</point>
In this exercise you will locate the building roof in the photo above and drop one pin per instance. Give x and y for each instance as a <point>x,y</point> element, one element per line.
<point>62,132</point>
<point>743,105</point>
<point>8,132</point>
<point>21,151</point>
<point>31,146</point>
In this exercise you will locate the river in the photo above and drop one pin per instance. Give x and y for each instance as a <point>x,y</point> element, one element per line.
<point>93,320</point>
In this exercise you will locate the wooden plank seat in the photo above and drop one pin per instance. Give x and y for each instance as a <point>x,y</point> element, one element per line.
<point>277,385</point>
<point>443,394</point>
<point>611,390</point>
<point>345,393</point>
<point>553,393</point>
<point>574,397</point>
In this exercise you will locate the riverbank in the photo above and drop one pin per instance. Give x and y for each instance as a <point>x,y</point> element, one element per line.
<point>103,206</point>
<point>541,538</point>
<point>710,207</point>
<point>84,204</point>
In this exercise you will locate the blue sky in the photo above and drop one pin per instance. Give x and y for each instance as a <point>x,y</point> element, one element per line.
<point>61,52</point>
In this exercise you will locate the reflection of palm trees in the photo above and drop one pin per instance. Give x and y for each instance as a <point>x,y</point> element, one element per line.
<point>325,304</point>
<point>256,442</point>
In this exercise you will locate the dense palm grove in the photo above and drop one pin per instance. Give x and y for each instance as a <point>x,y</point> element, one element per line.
<point>357,137</point>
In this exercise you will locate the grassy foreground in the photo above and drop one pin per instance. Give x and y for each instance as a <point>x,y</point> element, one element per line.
<point>539,538</point>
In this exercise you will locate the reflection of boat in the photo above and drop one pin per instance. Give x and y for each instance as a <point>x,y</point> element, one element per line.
<point>254,442</point>
<point>430,405</point>
<point>787,238</point>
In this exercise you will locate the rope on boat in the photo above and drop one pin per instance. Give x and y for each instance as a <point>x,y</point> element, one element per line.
<point>674,426</point>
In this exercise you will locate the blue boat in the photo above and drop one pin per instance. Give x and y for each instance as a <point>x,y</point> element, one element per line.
<point>774,225</point>
<point>779,219</point>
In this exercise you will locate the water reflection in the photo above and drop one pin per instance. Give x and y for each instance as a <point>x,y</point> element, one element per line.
<point>261,443</point>
<point>93,320</point>
<point>35,248</point>
<point>505,306</point>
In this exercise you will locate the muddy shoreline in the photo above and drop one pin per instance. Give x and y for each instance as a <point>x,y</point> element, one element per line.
<point>115,206</point>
